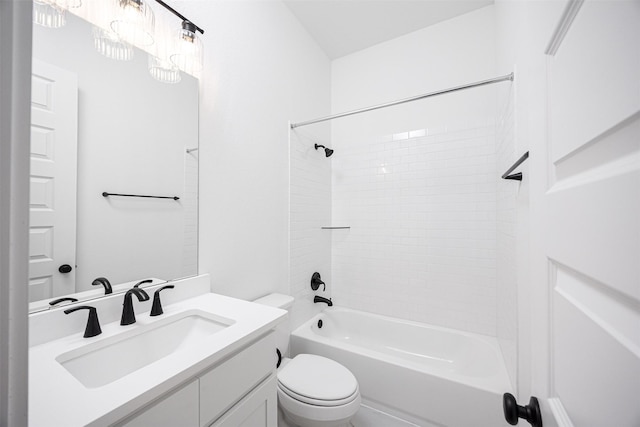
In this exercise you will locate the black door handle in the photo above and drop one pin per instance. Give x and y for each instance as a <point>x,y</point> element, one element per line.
<point>65,268</point>
<point>512,411</point>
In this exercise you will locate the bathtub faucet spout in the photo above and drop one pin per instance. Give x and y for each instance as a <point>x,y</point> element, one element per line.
<point>322,299</point>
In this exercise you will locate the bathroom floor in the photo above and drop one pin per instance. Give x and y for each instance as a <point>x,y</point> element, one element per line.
<point>366,417</point>
<point>369,417</point>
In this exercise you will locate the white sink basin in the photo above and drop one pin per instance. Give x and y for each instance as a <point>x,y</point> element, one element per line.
<point>106,361</point>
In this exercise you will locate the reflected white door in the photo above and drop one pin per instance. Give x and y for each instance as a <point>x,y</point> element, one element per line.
<point>52,213</point>
<point>592,216</point>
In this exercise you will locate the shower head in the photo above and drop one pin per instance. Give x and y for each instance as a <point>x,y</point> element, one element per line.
<point>327,151</point>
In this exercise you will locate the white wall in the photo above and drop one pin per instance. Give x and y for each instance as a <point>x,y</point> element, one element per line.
<point>261,70</point>
<point>417,182</point>
<point>132,135</point>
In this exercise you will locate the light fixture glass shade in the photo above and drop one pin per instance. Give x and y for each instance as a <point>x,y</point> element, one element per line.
<point>188,52</point>
<point>68,4</point>
<point>110,45</point>
<point>134,22</point>
<point>48,14</point>
<point>163,70</point>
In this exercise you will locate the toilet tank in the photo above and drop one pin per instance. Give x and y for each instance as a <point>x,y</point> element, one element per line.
<point>283,330</point>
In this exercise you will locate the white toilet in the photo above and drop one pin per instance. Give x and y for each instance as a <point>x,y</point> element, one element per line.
<point>313,391</point>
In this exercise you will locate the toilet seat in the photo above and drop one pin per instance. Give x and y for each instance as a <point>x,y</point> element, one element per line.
<point>318,402</point>
<point>318,381</point>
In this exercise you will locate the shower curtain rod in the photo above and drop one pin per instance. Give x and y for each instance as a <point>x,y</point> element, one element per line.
<point>402,101</point>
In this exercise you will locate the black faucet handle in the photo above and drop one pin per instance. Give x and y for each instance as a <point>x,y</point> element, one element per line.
<point>63,299</point>
<point>156,308</point>
<point>93,324</point>
<point>142,282</point>
<point>102,281</point>
<point>316,281</point>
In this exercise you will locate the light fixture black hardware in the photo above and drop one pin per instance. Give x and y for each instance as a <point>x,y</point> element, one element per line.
<point>179,15</point>
<point>322,299</point>
<point>93,325</point>
<point>530,413</point>
<point>316,282</point>
<point>59,300</point>
<point>142,282</point>
<point>128,315</point>
<point>105,194</point>
<point>327,151</point>
<point>102,281</point>
<point>65,268</point>
<point>516,176</point>
<point>156,308</point>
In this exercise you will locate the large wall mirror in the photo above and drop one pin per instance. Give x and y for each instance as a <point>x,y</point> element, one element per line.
<point>102,125</point>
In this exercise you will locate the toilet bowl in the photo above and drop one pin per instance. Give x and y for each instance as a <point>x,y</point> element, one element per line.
<point>313,391</point>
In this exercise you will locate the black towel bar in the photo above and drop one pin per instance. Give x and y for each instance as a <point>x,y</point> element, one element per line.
<point>105,194</point>
<point>515,176</point>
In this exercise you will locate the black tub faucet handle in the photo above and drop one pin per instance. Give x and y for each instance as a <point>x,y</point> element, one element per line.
<point>316,281</point>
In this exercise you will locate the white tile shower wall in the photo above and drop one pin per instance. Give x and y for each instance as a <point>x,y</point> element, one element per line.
<point>422,209</point>
<point>506,280</point>
<point>310,209</point>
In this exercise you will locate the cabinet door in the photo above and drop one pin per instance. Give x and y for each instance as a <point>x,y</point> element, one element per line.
<point>178,409</point>
<point>258,409</point>
<point>223,386</point>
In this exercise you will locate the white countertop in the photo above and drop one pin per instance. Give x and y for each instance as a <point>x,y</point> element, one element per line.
<point>56,398</point>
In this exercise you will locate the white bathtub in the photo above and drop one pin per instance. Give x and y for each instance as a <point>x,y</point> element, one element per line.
<point>429,375</point>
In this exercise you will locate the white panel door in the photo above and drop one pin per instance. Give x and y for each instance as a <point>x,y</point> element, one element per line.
<point>52,213</point>
<point>592,217</point>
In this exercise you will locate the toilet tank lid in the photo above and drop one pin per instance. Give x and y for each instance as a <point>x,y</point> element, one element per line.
<point>276,300</point>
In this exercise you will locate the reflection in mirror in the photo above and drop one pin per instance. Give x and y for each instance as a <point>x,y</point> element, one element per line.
<point>101,125</point>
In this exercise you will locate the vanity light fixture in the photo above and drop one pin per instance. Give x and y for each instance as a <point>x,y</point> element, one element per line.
<point>109,44</point>
<point>52,13</point>
<point>134,22</point>
<point>188,49</point>
<point>163,70</point>
<point>121,24</point>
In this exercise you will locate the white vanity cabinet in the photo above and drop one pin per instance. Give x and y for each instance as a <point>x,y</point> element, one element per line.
<point>257,409</point>
<point>238,391</point>
<point>179,408</point>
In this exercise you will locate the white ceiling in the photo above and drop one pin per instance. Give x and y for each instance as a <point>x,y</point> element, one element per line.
<point>342,27</point>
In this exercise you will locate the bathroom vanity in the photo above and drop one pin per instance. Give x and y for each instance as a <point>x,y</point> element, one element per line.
<point>240,391</point>
<point>209,360</point>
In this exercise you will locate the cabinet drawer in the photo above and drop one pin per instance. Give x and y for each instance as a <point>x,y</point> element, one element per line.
<point>228,382</point>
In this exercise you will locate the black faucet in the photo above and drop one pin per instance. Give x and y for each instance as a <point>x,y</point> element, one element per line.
<point>93,325</point>
<point>322,299</point>
<point>156,308</point>
<point>316,281</point>
<point>128,315</point>
<point>142,282</point>
<point>104,282</point>
<point>63,299</point>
